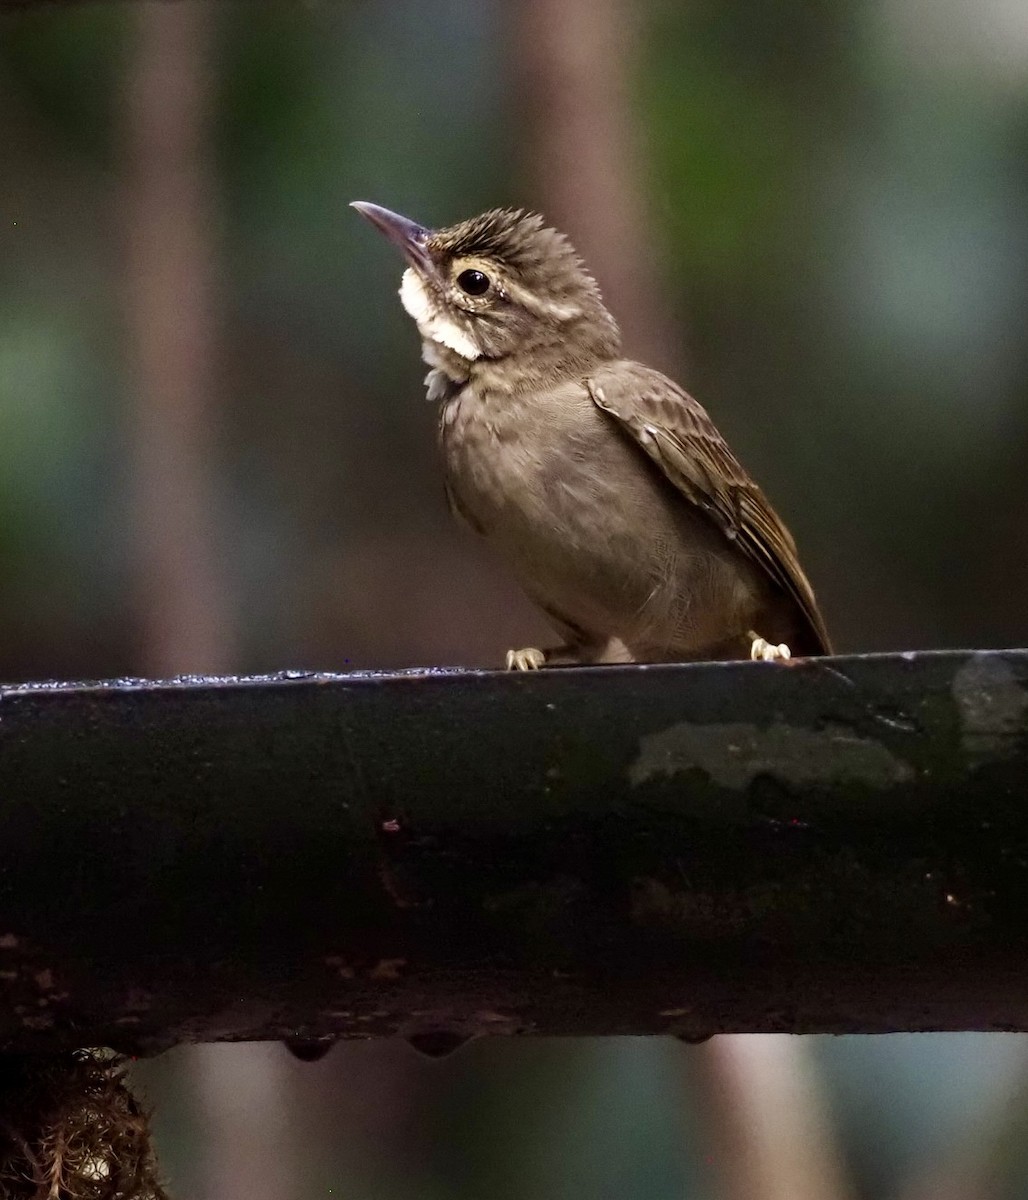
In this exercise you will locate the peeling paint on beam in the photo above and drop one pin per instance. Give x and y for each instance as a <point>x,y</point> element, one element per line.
<point>839,845</point>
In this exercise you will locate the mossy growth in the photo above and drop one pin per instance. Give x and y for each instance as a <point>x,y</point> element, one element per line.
<point>70,1129</point>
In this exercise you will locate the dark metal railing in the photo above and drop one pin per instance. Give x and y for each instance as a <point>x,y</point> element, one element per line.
<point>837,845</point>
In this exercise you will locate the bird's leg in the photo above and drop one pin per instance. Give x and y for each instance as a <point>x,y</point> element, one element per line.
<point>764,651</point>
<point>571,654</point>
<point>531,659</point>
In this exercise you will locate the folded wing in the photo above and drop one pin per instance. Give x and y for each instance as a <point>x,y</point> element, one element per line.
<point>678,435</point>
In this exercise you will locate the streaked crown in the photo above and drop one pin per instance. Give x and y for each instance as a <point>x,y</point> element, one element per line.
<point>502,285</point>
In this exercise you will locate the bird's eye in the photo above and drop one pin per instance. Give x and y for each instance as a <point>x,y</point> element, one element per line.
<point>475,283</point>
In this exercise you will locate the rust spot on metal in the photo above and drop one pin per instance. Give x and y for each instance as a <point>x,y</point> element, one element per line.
<point>40,1022</point>
<point>387,968</point>
<point>340,966</point>
<point>393,888</point>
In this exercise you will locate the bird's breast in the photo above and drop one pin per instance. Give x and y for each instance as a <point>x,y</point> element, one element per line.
<point>591,529</point>
<point>551,482</point>
<point>520,467</point>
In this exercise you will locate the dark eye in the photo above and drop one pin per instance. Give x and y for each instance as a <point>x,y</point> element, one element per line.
<point>475,283</point>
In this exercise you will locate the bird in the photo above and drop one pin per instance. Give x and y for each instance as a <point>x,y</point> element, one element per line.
<point>618,505</point>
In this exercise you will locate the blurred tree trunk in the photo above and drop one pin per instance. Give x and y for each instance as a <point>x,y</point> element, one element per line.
<point>184,612</point>
<point>249,1145</point>
<point>574,61</point>
<point>183,609</point>
<point>771,1136</point>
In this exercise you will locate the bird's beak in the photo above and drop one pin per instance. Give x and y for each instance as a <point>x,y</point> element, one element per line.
<point>411,237</point>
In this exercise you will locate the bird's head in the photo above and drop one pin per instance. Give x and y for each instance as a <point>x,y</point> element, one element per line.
<point>499,288</point>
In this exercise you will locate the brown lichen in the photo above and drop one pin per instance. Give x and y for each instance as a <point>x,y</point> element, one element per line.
<point>70,1129</point>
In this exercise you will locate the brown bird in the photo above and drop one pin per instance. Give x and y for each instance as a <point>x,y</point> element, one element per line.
<point>623,512</point>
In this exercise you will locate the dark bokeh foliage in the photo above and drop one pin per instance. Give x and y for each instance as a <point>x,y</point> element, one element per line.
<point>818,218</point>
<point>792,169</point>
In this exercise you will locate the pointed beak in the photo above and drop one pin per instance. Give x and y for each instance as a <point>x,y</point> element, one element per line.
<point>410,237</point>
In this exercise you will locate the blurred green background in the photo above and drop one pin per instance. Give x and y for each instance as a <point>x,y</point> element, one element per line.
<point>215,455</point>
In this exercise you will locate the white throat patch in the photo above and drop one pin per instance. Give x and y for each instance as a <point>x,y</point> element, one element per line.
<point>433,325</point>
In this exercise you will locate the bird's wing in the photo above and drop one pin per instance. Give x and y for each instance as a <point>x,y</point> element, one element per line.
<point>678,435</point>
<point>459,511</point>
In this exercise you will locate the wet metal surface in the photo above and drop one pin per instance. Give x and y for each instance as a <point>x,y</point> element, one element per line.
<point>838,845</point>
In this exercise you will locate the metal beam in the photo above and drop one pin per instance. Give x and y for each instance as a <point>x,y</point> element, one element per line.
<point>839,845</point>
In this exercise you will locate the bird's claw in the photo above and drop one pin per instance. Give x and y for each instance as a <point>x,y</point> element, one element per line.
<point>529,659</point>
<point>764,651</point>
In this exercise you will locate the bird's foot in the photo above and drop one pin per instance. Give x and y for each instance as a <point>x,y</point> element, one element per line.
<point>764,651</point>
<point>526,660</point>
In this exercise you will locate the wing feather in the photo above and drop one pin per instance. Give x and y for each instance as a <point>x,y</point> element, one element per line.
<point>675,431</point>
